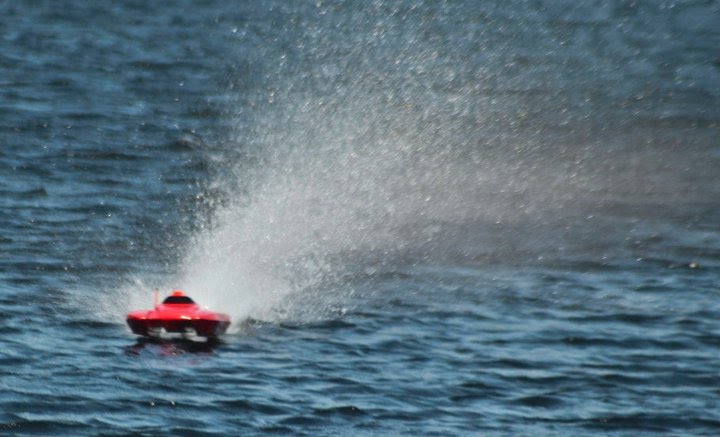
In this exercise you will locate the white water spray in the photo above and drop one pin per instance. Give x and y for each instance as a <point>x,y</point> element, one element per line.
<point>379,137</point>
<point>369,152</point>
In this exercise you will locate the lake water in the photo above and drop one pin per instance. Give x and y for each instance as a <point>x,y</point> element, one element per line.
<point>434,218</point>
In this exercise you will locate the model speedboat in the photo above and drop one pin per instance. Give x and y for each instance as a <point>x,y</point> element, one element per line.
<point>178,314</point>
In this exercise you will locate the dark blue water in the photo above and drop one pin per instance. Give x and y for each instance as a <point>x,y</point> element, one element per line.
<point>435,218</point>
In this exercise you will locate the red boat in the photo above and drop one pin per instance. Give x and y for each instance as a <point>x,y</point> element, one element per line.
<point>178,314</point>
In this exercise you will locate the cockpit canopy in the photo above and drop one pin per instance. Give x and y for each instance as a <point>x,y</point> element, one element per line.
<point>178,297</point>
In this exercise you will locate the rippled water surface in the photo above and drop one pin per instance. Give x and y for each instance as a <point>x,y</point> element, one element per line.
<point>434,218</point>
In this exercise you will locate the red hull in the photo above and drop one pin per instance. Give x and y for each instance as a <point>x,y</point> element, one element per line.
<point>178,314</point>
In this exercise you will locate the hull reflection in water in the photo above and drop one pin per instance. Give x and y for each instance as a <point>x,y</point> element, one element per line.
<point>171,347</point>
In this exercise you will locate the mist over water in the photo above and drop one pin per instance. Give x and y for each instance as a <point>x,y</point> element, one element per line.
<point>392,135</point>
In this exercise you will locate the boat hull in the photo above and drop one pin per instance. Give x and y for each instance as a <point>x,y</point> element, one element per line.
<point>203,327</point>
<point>178,314</point>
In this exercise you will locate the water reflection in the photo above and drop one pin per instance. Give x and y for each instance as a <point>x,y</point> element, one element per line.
<point>171,347</point>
